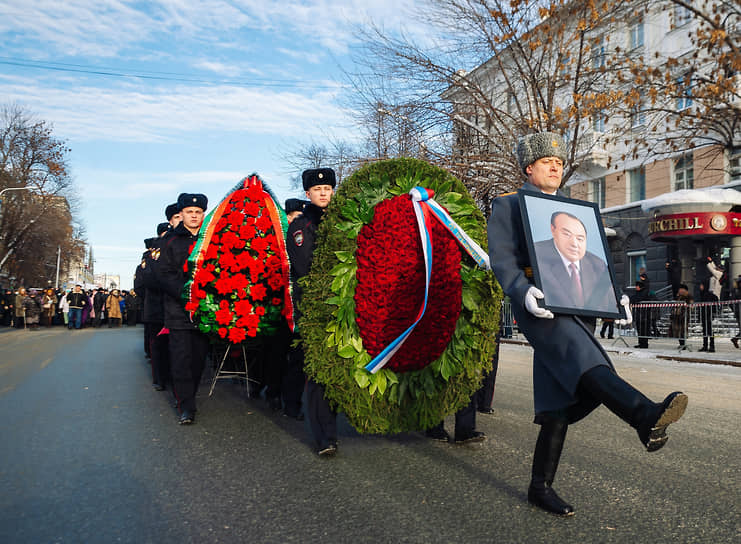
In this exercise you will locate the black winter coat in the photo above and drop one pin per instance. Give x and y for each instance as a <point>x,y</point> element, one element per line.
<point>172,277</point>
<point>300,244</point>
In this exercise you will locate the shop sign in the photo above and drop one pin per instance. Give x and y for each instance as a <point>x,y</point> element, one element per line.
<point>689,224</point>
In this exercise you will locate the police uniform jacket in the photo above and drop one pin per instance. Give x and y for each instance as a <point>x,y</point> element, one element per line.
<point>300,246</point>
<point>564,347</point>
<point>146,281</point>
<point>172,277</point>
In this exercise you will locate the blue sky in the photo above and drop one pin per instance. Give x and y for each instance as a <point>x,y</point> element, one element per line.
<point>224,89</point>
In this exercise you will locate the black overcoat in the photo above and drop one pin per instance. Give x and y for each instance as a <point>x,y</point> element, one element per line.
<point>564,347</point>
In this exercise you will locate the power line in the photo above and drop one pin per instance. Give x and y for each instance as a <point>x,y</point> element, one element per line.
<point>162,76</point>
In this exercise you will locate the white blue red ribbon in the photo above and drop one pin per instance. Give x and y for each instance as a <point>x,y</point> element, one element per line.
<point>425,208</point>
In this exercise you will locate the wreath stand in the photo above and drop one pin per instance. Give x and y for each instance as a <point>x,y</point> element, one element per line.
<point>222,374</point>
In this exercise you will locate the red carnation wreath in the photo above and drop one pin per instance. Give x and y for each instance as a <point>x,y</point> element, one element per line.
<point>239,267</point>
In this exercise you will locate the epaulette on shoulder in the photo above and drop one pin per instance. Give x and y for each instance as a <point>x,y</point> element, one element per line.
<point>507,194</point>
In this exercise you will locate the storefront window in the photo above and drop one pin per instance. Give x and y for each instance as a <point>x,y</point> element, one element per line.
<point>637,264</point>
<point>734,162</point>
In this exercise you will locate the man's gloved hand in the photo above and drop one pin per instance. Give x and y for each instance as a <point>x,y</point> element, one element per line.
<point>531,303</point>
<point>625,303</point>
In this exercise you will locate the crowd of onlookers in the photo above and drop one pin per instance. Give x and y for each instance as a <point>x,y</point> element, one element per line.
<point>76,308</point>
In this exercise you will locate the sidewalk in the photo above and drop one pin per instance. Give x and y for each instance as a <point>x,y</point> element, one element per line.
<point>664,348</point>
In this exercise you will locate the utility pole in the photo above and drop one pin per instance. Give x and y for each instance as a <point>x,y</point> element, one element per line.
<point>59,255</point>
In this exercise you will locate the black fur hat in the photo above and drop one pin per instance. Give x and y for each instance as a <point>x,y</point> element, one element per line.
<point>318,176</point>
<point>295,205</point>
<point>162,227</point>
<point>187,200</point>
<point>171,210</point>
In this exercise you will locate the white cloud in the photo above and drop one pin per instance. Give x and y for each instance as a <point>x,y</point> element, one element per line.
<point>162,114</point>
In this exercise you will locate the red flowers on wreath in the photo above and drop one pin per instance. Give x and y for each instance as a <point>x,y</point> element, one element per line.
<point>389,248</point>
<point>239,284</point>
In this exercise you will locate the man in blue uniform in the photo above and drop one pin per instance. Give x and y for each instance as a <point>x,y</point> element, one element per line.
<point>572,374</point>
<point>319,184</point>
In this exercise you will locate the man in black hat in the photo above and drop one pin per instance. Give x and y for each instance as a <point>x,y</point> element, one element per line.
<point>98,307</point>
<point>572,374</point>
<point>294,207</point>
<point>319,184</point>
<point>145,281</point>
<point>188,346</point>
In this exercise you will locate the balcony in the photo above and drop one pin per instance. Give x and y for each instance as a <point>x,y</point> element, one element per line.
<point>591,150</point>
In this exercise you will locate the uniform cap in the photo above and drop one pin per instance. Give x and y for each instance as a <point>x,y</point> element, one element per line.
<point>318,176</point>
<point>532,147</point>
<point>187,200</point>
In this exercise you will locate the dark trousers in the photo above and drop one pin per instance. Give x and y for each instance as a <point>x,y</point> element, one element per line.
<point>484,397</point>
<point>608,325</point>
<point>159,355</point>
<point>275,360</point>
<point>465,420</point>
<point>293,381</point>
<point>188,350</point>
<point>75,318</point>
<point>97,320</point>
<point>322,419</point>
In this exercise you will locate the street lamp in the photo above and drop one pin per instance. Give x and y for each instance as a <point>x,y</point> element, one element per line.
<point>11,189</point>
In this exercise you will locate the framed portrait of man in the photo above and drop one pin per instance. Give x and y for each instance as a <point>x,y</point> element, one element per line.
<point>569,255</point>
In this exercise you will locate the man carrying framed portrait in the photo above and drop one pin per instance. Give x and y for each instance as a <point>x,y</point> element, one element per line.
<point>572,374</point>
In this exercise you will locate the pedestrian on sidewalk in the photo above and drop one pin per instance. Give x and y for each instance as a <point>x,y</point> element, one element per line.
<point>737,309</point>
<point>707,312</point>
<point>679,315</point>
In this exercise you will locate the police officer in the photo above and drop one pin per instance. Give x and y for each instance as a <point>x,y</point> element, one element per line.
<point>188,347</point>
<point>319,184</point>
<point>145,281</point>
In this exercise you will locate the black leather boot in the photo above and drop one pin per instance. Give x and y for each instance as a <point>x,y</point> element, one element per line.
<point>649,418</point>
<point>545,462</point>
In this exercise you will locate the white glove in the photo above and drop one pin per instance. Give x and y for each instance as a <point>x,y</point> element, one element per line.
<point>625,303</point>
<point>531,303</point>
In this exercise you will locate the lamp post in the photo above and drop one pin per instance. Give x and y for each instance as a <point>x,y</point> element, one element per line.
<point>11,189</point>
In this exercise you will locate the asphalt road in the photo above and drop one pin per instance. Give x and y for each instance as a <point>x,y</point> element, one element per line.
<point>90,453</point>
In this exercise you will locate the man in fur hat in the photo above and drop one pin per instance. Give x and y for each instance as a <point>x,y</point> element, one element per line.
<point>572,374</point>
<point>187,345</point>
<point>319,184</point>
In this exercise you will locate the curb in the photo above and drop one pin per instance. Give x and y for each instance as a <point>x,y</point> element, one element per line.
<point>663,356</point>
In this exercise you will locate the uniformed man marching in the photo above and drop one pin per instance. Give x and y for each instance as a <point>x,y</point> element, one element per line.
<point>188,347</point>
<point>319,184</point>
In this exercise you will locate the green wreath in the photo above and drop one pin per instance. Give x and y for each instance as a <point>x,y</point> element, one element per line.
<point>387,401</point>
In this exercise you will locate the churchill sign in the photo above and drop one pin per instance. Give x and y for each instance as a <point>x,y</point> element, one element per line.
<point>688,224</point>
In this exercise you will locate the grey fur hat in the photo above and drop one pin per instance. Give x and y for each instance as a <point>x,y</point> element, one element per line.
<point>532,147</point>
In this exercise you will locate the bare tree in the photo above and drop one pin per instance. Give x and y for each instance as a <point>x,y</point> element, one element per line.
<point>37,221</point>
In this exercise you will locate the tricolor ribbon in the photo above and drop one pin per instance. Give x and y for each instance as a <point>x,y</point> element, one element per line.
<point>424,209</point>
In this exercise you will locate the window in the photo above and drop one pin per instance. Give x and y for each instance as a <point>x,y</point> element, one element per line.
<point>684,174</point>
<point>597,190</point>
<point>637,180</point>
<point>598,122</point>
<point>637,115</point>
<point>511,103</point>
<point>684,92</point>
<point>636,35</point>
<point>599,56</point>
<point>681,15</point>
<point>636,263</point>
<point>734,163</point>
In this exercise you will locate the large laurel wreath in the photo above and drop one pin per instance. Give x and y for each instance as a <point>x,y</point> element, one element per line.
<point>409,394</point>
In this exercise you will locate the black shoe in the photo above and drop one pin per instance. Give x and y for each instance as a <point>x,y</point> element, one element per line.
<point>297,417</point>
<point>734,341</point>
<point>703,348</point>
<point>473,437</point>
<point>487,411</point>
<point>654,436</point>
<point>187,418</point>
<point>548,500</point>
<point>158,387</point>
<point>711,350</point>
<point>436,433</point>
<point>327,451</point>
<point>610,337</point>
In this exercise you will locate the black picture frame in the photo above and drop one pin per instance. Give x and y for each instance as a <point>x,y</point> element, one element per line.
<point>552,247</point>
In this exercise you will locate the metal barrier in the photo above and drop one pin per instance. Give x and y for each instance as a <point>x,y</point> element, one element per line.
<point>665,319</point>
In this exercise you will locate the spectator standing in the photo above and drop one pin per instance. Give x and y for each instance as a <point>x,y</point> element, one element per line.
<point>77,301</point>
<point>736,295</point>
<point>32,308</point>
<point>98,306</point>
<point>706,315</point>
<point>49,305</point>
<point>20,316</point>
<point>679,313</point>
<point>64,308</point>
<point>113,309</point>
<point>715,284</point>
<point>8,308</point>
<point>641,316</point>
